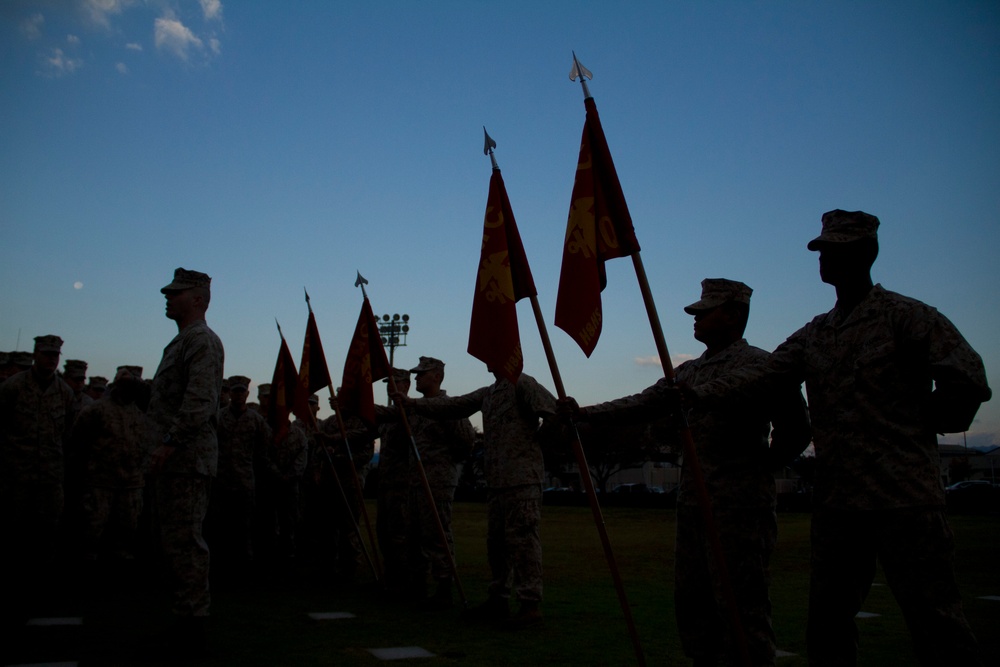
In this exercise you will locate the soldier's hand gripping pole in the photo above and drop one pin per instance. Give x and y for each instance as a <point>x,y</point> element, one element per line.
<point>588,485</point>
<point>429,495</point>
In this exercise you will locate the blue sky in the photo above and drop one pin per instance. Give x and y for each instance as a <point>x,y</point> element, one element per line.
<point>278,146</point>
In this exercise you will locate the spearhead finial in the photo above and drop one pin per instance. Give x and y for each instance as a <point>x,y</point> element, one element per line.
<point>279,329</point>
<point>582,73</point>
<point>308,305</point>
<point>361,282</point>
<point>489,146</point>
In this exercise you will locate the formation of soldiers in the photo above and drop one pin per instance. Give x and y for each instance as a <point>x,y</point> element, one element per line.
<point>884,373</point>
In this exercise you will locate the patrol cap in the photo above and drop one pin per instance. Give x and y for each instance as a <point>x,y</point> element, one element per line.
<point>98,382</point>
<point>48,343</point>
<point>845,226</point>
<point>717,291</point>
<point>428,364</point>
<point>22,359</point>
<point>264,389</point>
<point>75,368</point>
<point>133,372</point>
<point>239,382</point>
<point>184,279</point>
<point>313,399</point>
<point>399,375</point>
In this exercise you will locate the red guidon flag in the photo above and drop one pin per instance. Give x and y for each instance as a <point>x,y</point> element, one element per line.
<point>283,385</point>
<point>599,229</point>
<point>366,363</point>
<point>504,278</point>
<point>314,374</point>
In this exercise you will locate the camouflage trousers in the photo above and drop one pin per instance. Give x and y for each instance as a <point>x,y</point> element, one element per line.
<point>427,555</point>
<point>390,529</point>
<point>229,525</point>
<point>915,547</point>
<point>513,542</point>
<point>181,503</point>
<point>114,512</point>
<point>748,536</point>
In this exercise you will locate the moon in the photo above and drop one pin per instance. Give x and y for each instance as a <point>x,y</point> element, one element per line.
<point>77,285</point>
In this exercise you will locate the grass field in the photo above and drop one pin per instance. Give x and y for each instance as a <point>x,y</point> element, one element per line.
<point>266,623</point>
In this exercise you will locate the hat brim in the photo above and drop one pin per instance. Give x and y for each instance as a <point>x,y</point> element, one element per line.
<point>702,305</point>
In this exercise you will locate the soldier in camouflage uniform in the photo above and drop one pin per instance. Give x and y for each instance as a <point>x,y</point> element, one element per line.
<point>109,441</point>
<point>183,417</point>
<point>36,411</point>
<point>75,375</point>
<point>444,445</point>
<point>348,551</point>
<point>884,374</point>
<point>243,436</point>
<point>96,387</point>
<point>290,457</point>
<point>512,461</point>
<point>737,463</point>
<point>393,491</point>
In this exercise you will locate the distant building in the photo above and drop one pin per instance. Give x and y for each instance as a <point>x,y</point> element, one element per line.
<point>959,463</point>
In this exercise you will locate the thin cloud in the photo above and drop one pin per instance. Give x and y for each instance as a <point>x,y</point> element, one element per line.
<point>212,9</point>
<point>675,359</point>
<point>134,46</point>
<point>122,68</point>
<point>31,27</point>
<point>57,64</point>
<point>173,36</point>
<point>215,45</point>
<point>72,39</point>
<point>99,11</point>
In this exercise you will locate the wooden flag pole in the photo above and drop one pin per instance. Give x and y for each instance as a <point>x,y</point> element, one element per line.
<point>588,484</point>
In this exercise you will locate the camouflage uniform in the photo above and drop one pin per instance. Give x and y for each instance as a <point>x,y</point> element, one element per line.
<point>393,496</point>
<point>512,461</point>
<point>183,411</point>
<point>109,439</point>
<point>443,445</point>
<point>35,419</point>
<point>736,461</point>
<point>243,436</point>
<point>882,380</point>
<point>325,498</point>
<point>290,458</point>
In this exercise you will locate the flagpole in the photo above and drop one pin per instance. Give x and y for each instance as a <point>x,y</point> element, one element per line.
<point>581,459</point>
<point>687,441</point>
<point>374,558</point>
<point>340,487</point>
<point>428,494</point>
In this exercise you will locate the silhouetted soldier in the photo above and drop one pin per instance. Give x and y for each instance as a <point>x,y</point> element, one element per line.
<point>515,470</point>
<point>443,445</point>
<point>737,461</point>
<point>36,411</point>
<point>884,373</point>
<point>183,414</point>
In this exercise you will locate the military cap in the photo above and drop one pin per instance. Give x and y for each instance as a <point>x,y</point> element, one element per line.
<point>74,368</point>
<point>184,279</point>
<point>98,382</point>
<point>4,358</point>
<point>135,372</point>
<point>239,381</point>
<point>264,389</point>
<point>399,375</point>
<point>22,359</point>
<point>428,364</point>
<point>313,399</point>
<point>844,227</point>
<point>48,343</point>
<point>717,291</point>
